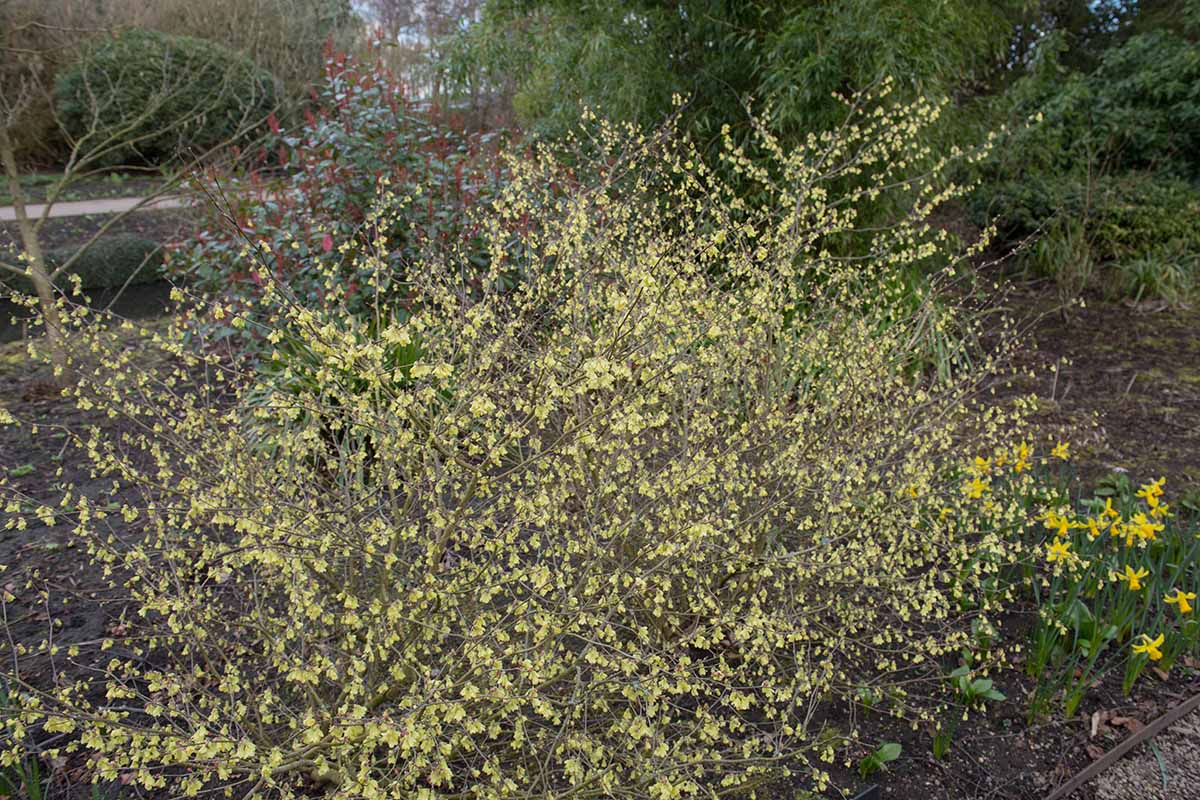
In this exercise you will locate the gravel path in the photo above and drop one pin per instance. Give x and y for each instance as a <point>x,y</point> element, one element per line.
<point>1140,776</point>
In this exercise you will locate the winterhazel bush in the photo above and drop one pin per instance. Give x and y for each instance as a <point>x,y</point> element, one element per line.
<point>611,517</point>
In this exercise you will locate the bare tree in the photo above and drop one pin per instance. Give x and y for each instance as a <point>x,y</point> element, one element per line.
<point>420,31</point>
<point>31,45</point>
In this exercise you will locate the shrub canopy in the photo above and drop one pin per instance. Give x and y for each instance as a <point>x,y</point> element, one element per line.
<point>145,97</point>
<point>606,517</point>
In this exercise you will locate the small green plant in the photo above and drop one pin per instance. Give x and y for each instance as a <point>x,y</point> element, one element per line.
<point>969,693</point>
<point>884,754</point>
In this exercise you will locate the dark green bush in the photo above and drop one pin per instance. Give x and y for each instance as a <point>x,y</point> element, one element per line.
<point>108,263</point>
<point>1124,214</point>
<point>1144,226</point>
<point>1102,186</point>
<point>145,97</point>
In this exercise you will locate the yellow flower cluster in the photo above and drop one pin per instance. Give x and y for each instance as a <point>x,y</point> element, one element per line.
<point>1134,564</point>
<point>654,483</point>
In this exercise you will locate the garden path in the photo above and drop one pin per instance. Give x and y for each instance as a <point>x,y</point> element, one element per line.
<point>105,205</point>
<point>1173,773</point>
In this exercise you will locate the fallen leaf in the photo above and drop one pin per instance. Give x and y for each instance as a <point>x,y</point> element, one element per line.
<point>1095,752</point>
<point>1128,723</point>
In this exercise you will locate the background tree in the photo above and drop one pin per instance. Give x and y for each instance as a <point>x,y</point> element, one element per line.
<point>132,101</point>
<point>630,58</point>
<point>287,38</point>
<point>418,33</point>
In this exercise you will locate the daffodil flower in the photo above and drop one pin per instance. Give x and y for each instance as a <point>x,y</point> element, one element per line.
<point>1022,458</point>
<point>1058,551</point>
<point>1181,599</point>
<point>1150,647</point>
<point>976,487</point>
<point>1109,511</point>
<point>1142,528</point>
<point>1062,450</point>
<point>1134,579</point>
<point>1150,492</point>
<point>1057,523</point>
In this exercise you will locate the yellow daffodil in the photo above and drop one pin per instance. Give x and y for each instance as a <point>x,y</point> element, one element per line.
<point>1057,523</point>
<point>1062,450</point>
<point>1109,512</point>
<point>1150,492</point>
<point>1093,528</point>
<point>983,466</point>
<point>1058,551</point>
<point>1141,528</point>
<point>1022,458</point>
<point>976,487</point>
<point>1150,646</point>
<point>1181,599</point>
<point>1134,579</point>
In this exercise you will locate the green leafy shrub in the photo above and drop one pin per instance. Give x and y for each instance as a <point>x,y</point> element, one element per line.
<point>364,170</point>
<point>151,97</point>
<point>110,262</point>
<point>1139,109</point>
<point>1105,175</point>
<point>611,529</point>
<point>1123,234</point>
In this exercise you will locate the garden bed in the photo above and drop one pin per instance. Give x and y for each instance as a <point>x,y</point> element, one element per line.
<point>997,754</point>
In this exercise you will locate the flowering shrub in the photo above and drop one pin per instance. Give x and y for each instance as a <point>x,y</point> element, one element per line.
<point>364,169</point>
<point>614,528</point>
<point>1121,590</point>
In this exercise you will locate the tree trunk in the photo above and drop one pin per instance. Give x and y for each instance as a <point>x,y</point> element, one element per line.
<point>55,338</point>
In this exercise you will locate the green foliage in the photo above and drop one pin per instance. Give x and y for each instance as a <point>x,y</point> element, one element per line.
<point>629,58</point>
<point>364,170</point>
<point>1138,109</point>
<point>145,97</point>
<point>1102,181</point>
<point>109,262</point>
<point>969,692</point>
<point>1132,234</point>
<point>884,754</point>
